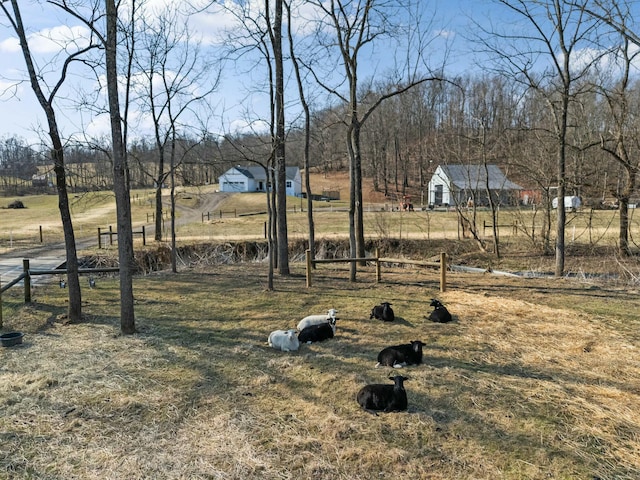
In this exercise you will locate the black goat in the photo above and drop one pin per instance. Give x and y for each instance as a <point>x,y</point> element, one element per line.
<point>399,356</point>
<point>388,398</point>
<point>383,312</point>
<point>318,333</point>
<point>440,313</point>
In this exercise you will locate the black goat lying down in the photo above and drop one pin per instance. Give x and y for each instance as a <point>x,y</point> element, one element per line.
<point>399,356</point>
<point>318,333</point>
<point>383,397</point>
<point>383,312</point>
<point>440,313</point>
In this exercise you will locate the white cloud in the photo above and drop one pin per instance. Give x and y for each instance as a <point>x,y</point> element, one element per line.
<point>52,40</point>
<point>443,33</point>
<point>243,126</point>
<point>49,40</point>
<point>10,45</point>
<point>10,90</point>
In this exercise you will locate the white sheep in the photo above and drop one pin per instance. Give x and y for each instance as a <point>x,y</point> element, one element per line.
<point>317,319</point>
<point>285,340</point>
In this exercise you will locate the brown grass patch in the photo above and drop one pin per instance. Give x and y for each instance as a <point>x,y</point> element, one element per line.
<point>534,379</point>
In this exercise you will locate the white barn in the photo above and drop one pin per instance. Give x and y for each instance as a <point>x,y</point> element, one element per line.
<point>456,184</point>
<point>254,179</point>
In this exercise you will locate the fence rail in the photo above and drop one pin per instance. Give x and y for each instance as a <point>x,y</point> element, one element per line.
<point>442,265</point>
<point>28,272</point>
<point>112,234</point>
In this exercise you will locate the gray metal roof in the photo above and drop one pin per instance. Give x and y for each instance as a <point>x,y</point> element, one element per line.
<point>475,176</point>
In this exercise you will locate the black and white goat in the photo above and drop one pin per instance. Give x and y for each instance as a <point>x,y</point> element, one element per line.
<point>399,356</point>
<point>383,312</point>
<point>440,313</point>
<point>318,333</point>
<point>317,319</point>
<point>387,398</point>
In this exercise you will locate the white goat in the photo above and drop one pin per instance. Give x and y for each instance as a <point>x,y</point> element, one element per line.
<point>285,340</point>
<point>317,319</point>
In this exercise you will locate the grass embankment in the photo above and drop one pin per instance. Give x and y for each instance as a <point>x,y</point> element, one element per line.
<point>534,379</point>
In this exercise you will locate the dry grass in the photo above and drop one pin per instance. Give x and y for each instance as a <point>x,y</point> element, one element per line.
<point>534,379</point>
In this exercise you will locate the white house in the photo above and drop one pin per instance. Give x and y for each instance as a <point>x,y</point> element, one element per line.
<point>254,179</point>
<point>456,184</point>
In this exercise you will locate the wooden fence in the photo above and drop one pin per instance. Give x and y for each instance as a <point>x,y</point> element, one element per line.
<point>442,265</point>
<point>27,273</point>
<point>112,234</point>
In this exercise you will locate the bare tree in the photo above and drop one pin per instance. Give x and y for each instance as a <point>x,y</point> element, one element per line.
<point>108,39</point>
<point>541,53</point>
<point>120,174</point>
<point>47,102</point>
<point>260,29</point>
<point>354,26</point>
<point>275,34</point>
<point>307,132</point>
<point>620,140</point>
<point>177,78</point>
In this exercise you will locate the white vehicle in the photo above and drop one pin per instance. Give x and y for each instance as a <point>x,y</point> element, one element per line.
<point>570,202</point>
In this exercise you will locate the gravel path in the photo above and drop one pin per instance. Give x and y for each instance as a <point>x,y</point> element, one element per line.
<point>47,257</point>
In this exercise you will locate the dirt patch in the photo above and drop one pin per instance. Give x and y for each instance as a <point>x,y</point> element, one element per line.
<point>332,181</point>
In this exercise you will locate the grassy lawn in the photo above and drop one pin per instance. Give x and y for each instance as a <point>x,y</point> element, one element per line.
<point>534,379</point>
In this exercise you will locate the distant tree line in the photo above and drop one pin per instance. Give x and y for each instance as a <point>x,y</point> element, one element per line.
<point>403,142</point>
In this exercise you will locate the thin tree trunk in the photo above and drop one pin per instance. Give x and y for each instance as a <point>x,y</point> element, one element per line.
<point>120,177</point>
<point>74,308</point>
<point>281,184</point>
<point>307,138</point>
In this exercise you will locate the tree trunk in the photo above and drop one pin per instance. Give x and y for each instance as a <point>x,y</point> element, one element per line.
<point>281,184</point>
<point>357,182</point>
<point>120,177</point>
<point>562,215</point>
<point>159,181</point>
<point>307,137</point>
<point>74,309</point>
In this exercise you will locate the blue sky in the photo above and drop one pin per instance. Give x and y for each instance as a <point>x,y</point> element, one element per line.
<point>234,103</point>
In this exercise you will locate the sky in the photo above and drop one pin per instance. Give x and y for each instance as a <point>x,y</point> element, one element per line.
<point>238,101</point>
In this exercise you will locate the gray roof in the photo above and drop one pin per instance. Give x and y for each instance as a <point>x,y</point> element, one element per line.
<point>256,171</point>
<point>475,176</point>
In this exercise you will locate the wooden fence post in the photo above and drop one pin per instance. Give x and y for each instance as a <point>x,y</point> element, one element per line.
<point>308,258</point>
<point>378,269</point>
<point>443,271</point>
<point>40,233</point>
<point>110,235</point>
<point>27,280</point>
<point>99,238</point>
<point>144,236</point>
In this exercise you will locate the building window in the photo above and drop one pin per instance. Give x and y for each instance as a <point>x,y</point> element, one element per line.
<point>289,183</point>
